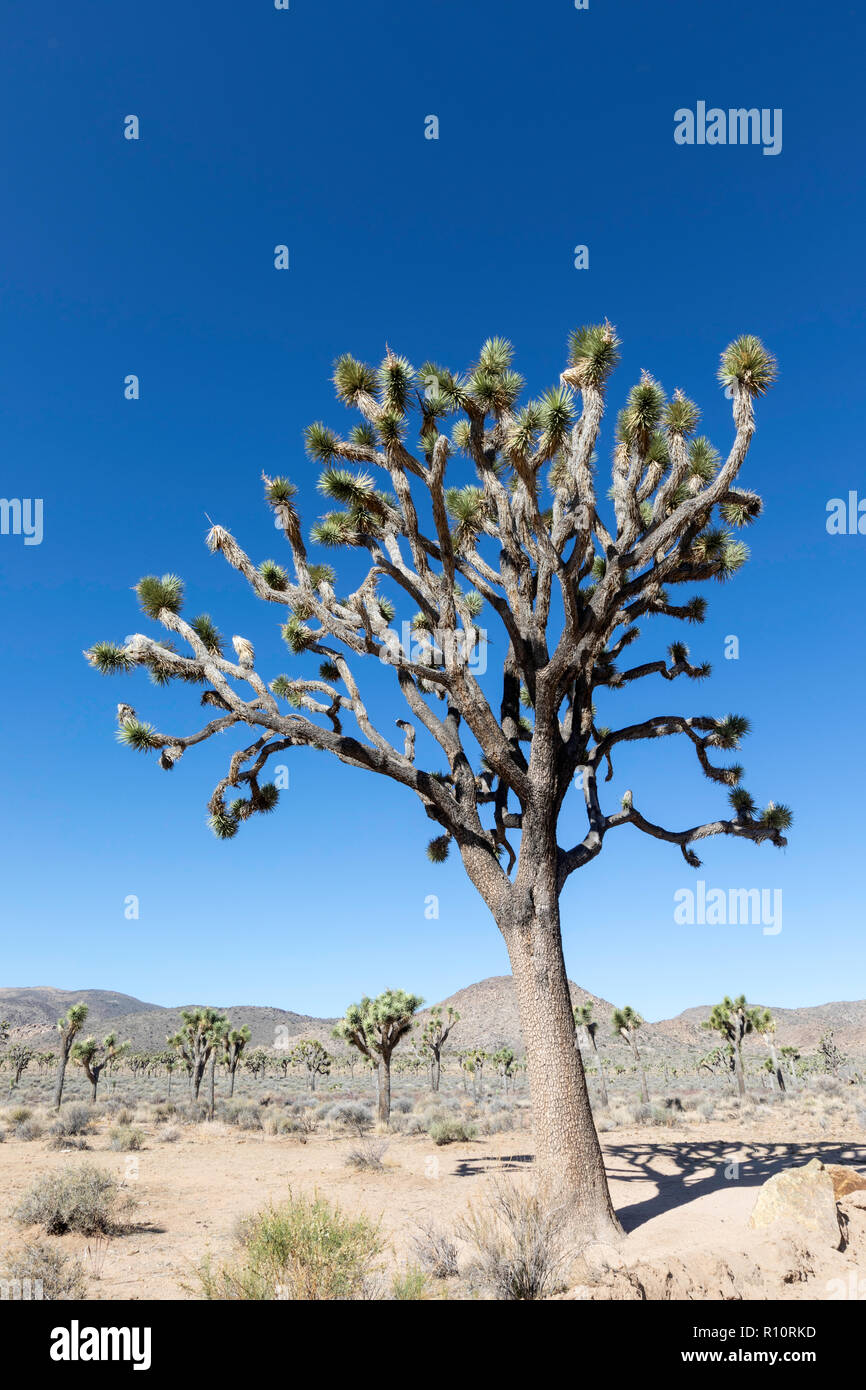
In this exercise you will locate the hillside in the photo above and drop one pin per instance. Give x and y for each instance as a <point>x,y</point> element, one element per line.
<point>488,1019</point>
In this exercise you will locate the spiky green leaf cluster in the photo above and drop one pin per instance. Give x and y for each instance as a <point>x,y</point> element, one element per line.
<point>592,353</point>
<point>109,659</point>
<point>352,377</point>
<point>154,594</point>
<point>438,849</point>
<point>208,633</point>
<point>274,575</point>
<point>297,637</point>
<point>321,442</point>
<point>748,362</point>
<point>134,734</point>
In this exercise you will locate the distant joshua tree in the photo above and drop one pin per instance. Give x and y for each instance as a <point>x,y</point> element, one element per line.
<point>310,1053</point>
<point>503,1061</point>
<point>375,1027</point>
<point>19,1055</point>
<point>765,1026</point>
<point>830,1057</point>
<point>434,1037</point>
<point>68,1029</point>
<point>733,1020</point>
<point>94,1057</point>
<point>234,1043</point>
<point>586,1024</point>
<point>199,1033</point>
<point>493,509</point>
<point>625,1023</point>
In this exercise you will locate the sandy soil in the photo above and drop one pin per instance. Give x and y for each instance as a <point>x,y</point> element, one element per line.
<point>684,1207</point>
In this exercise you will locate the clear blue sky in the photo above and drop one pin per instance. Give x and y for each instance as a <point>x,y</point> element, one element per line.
<point>155,257</point>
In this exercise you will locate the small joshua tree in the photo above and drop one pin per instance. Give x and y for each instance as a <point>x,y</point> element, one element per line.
<point>375,1027</point>
<point>94,1057</point>
<point>493,514</point>
<point>586,1024</point>
<point>625,1023</point>
<point>434,1037</point>
<point>199,1033</point>
<point>503,1062</point>
<point>765,1026</point>
<point>310,1053</point>
<point>68,1029</point>
<point>733,1020</point>
<point>234,1043</point>
<point>830,1057</point>
<point>19,1055</point>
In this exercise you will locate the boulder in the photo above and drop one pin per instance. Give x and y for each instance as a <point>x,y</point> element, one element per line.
<point>846,1179</point>
<point>802,1197</point>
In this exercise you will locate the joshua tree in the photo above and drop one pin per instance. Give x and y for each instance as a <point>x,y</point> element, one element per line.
<point>719,1059</point>
<point>733,1020</point>
<point>198,1035</point>
<point>472,1063</point>
<point>625,1023</point>
<point>68,1029</point>
<point>765,1026</point>
<point>19,1056</point>
<point>375,1027</point>
<point>586,1024</point>
<point>310,1053</point>
<point>94,1057</point>
<point>791,1055</point>
<point>830,1057</point>
<point>4,1032</point>
<point>256,1062</point>
<point>503,1061</point>
<point>530,544</point>
<point>434,1037</point>
<point>234,1043</point>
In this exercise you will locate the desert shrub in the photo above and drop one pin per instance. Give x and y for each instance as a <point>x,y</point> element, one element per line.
<point>350,1114</point>
<point>28,1130</point>
<point>436,1251</point>
<point>73,1119</point>
<point>2,1135</point>
<point>169,1135</point>
<point>18,1115</point>
<point>303,1249</point>
<point>125,1116</point>
<point>401,1106</point>
<point>451,1131</point>
<point>55,1275</point>
<point>125,1139</point>
<point>86,1199</point>
<point>164,1112</point>
<point>367,1154</point>
<point>518,1243</point>
<point>60,1142</point>
<point>411,1284</point>
<point>641,1114</point>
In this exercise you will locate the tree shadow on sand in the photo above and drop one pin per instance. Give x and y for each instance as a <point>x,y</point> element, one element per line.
<point>682,1172</point>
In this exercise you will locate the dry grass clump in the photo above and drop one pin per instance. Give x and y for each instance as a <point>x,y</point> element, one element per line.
<point>87,1200</point>
<point>518,1242</point>
<point>436,1251</point>
<point>39,1271</point>
<point>368,1155</point>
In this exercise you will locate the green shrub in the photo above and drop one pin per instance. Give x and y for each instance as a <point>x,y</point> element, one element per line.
<point>451,1131</point>
<point>303,1249</point>
<point>124,1139</point>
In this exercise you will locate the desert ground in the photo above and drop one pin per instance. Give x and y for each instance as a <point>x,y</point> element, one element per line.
<point>685,1178</point>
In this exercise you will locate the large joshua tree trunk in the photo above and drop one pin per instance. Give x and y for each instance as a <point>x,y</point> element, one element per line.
<point>62,1059</point>
<point>568,1153</point>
